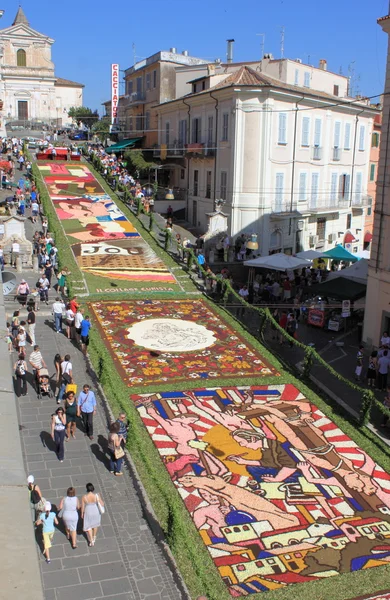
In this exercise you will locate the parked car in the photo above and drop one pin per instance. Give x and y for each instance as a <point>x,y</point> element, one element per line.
<point>78,135</point>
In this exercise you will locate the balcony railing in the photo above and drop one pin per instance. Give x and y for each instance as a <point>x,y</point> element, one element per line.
<point>176,149</point>
<point>156,152</point>
<point>336,153</point>
<point>135,98</point>
<point>361,199</point>
<point>283,206</point>
<point>195,148</point>
<point>317,153</point>
<point>327,204</point>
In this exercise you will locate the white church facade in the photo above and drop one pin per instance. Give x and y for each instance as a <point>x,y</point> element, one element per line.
<point>29,88</point>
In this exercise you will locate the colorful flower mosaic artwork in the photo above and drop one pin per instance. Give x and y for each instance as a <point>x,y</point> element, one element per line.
<point>106,244</point>
<point>154,342</point>
<point>279,494</point>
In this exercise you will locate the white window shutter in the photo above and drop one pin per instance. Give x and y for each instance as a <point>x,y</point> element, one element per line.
<point>305,131</point>
<point>362,135</point>
<point>302,187</point>
<point>337,130</point>
<point>314,186</point>
<point>282,135</point>
<point>333,186</point>
<point>317,132</point>
<point>279,190</point>
<point>347,136</point>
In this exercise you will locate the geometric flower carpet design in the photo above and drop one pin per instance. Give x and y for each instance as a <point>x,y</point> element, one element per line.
<point>105,243</point>
<point>279,494</point>
<point>154,342</point>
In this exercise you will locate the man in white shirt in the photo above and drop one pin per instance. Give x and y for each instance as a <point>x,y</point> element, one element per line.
<point>58,307</point>
<point>78,318</point>
<point>66,376</point>
<point>15,252</point>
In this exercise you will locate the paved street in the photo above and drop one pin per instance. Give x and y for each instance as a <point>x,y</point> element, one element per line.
<point>127,562</point>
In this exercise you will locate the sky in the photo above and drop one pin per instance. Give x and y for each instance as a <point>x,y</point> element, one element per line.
<point>90,35</point>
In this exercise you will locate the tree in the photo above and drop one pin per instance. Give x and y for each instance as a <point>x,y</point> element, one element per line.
<point>136,162</point>
<point>101,128</point>
<point>82,114</point>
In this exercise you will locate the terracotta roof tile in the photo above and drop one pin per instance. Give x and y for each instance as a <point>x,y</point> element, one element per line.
<point>68,82</point>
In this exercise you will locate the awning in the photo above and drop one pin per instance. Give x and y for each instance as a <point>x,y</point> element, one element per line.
<point>122,145</point>
<point>349,238</point>
<point>367,237</point>
<point>340,253</point>
<point>339,288</point>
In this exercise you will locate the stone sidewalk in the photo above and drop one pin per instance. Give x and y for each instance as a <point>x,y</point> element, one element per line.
<point>128,562</point>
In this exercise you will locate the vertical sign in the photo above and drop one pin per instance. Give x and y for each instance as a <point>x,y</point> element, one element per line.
<point>114,97</point>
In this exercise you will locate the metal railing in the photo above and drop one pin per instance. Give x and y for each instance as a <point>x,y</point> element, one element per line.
<point>336,154</point>
<point>317,153</point>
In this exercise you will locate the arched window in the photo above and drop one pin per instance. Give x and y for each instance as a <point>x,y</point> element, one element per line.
<point>21,58</point>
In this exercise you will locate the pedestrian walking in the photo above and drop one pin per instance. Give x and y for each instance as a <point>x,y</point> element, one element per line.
<point>115,449</point>
<point>36,498</point>
<point>15,322</point>
<point>31,321</point>
<point>44,285</point>
<point>69,319</point>
<point>372,368</point>
<point>47,519</point>
<point>123,427</point>
<point>92,506</point>
<point>15,252</point>
<point>66,376</point>
<point>21,340</point>
<point>69,513</point>
<point>383,369</point>
<point>62,281</point>
<point>22,292</point>
<point>86,404</point>
<point>36,360</point>
<point>359,363</point>
<point>58,427</point>
<point>57,365</point>
<point>71,414</point>
<point>84,334</point>
<point>291,328</point>
<point>78,319</point>
<point>201,263</point>
<point>20,369</point>
<point>57,308</point>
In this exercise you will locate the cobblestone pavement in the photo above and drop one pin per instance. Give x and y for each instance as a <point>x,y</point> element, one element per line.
<point>127,562</point>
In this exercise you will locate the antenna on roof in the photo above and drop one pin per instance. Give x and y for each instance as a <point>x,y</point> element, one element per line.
<point>134,53</point>
<point>282,41</point>
<point>262,42</point>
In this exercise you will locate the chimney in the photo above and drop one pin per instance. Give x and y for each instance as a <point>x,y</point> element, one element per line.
<point>230,51</point>
<point>323,64</point>
<point>172,50</point>
<point>185,53</point>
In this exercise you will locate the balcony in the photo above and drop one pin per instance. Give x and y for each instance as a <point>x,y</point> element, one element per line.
<point>195,148</point>
<point>326,204</point>
<point>317,153</point>
<point>283,207</point>
<point>135,98</point>
<point>336,154</point>
<point>361,200</point>
<point>156,152</point>
<point>176,149</point>
<point>209,152</point>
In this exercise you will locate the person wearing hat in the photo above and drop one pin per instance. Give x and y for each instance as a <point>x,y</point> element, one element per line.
<point>47,519</point>
<point>22,292</point>
<point>36,499</point>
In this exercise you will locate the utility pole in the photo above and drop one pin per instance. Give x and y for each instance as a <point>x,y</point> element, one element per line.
<point>282,41</point>
<point>262,43</point>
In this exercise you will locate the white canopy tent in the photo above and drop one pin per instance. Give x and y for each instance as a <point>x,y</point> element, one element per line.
<point>277,262</point>
<point>357,272</point>
<point>310,254</point>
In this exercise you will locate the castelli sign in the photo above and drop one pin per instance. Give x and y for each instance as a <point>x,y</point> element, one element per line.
<point>114,94</point>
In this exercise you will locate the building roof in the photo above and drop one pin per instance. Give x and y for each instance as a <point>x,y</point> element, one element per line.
<point>67,83</point>
<point>383,18</point>
<point>247,77</point>
<point>20,17</point>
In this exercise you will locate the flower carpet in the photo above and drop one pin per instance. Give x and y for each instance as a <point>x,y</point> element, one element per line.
<point>154,342</point>
<point>279,494</point>
<point>107,246</point>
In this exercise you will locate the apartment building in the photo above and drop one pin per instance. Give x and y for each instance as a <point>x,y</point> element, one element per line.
<point>280,143</point>
<point>372,179</point>
<point>377,313</point>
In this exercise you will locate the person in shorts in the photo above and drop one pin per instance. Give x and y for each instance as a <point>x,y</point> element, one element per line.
<point>84,334</point>
<point>47,519</point>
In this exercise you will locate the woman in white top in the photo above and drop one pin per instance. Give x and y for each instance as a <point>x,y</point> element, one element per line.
<point>58,428</point>
<point>69,507</point>
<point>21,340</point>
<point>385,339</point>
<point>69,321</point>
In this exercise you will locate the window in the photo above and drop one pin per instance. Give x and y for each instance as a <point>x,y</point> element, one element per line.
<point>223,185</point>
<point>282,132</point>
<point>147,120</point>
<point>131,124</point>
<point>182,173</point>
<point>362,136</point>
<point>196,130</point>
<point>210,132</point>
<point>139,86</point>
<point>279,191</point>
<point>138,122</point>
<point>347,136</point>
<point>336,137</point>
<point>345,181</point>
<point>317,132</point>
<point>225,127</point>
<point>358,186</point>
<point>315,178</point>
<point>148,81</point>
<point>349,221</point>
<point>306,79</point>
<point>155,78</point>
<point>208,184</point>
<point>129,86</point>
<point>321,228</point>
<point>296,77</point>
<point>182,133</point>
<point>333,187</point>
<point>167,132</point>
<point>302,187</point>
<point>196,183</point>
<point>372,172</point>
<point>203,85</point>
<point>21,58</point>
<point>335,90</point>
<point>375,140</point>
<point>305,131</point>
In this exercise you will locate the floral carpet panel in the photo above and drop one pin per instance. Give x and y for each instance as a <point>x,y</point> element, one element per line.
<point>106,244</point>
<point>279,494</point>
<point>154,342</point>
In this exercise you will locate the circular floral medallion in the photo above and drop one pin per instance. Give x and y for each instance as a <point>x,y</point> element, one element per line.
<point>171,335</point>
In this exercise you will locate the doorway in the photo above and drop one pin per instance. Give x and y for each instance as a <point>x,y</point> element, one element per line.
<point>194,213</point>
<point>22,110</point>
